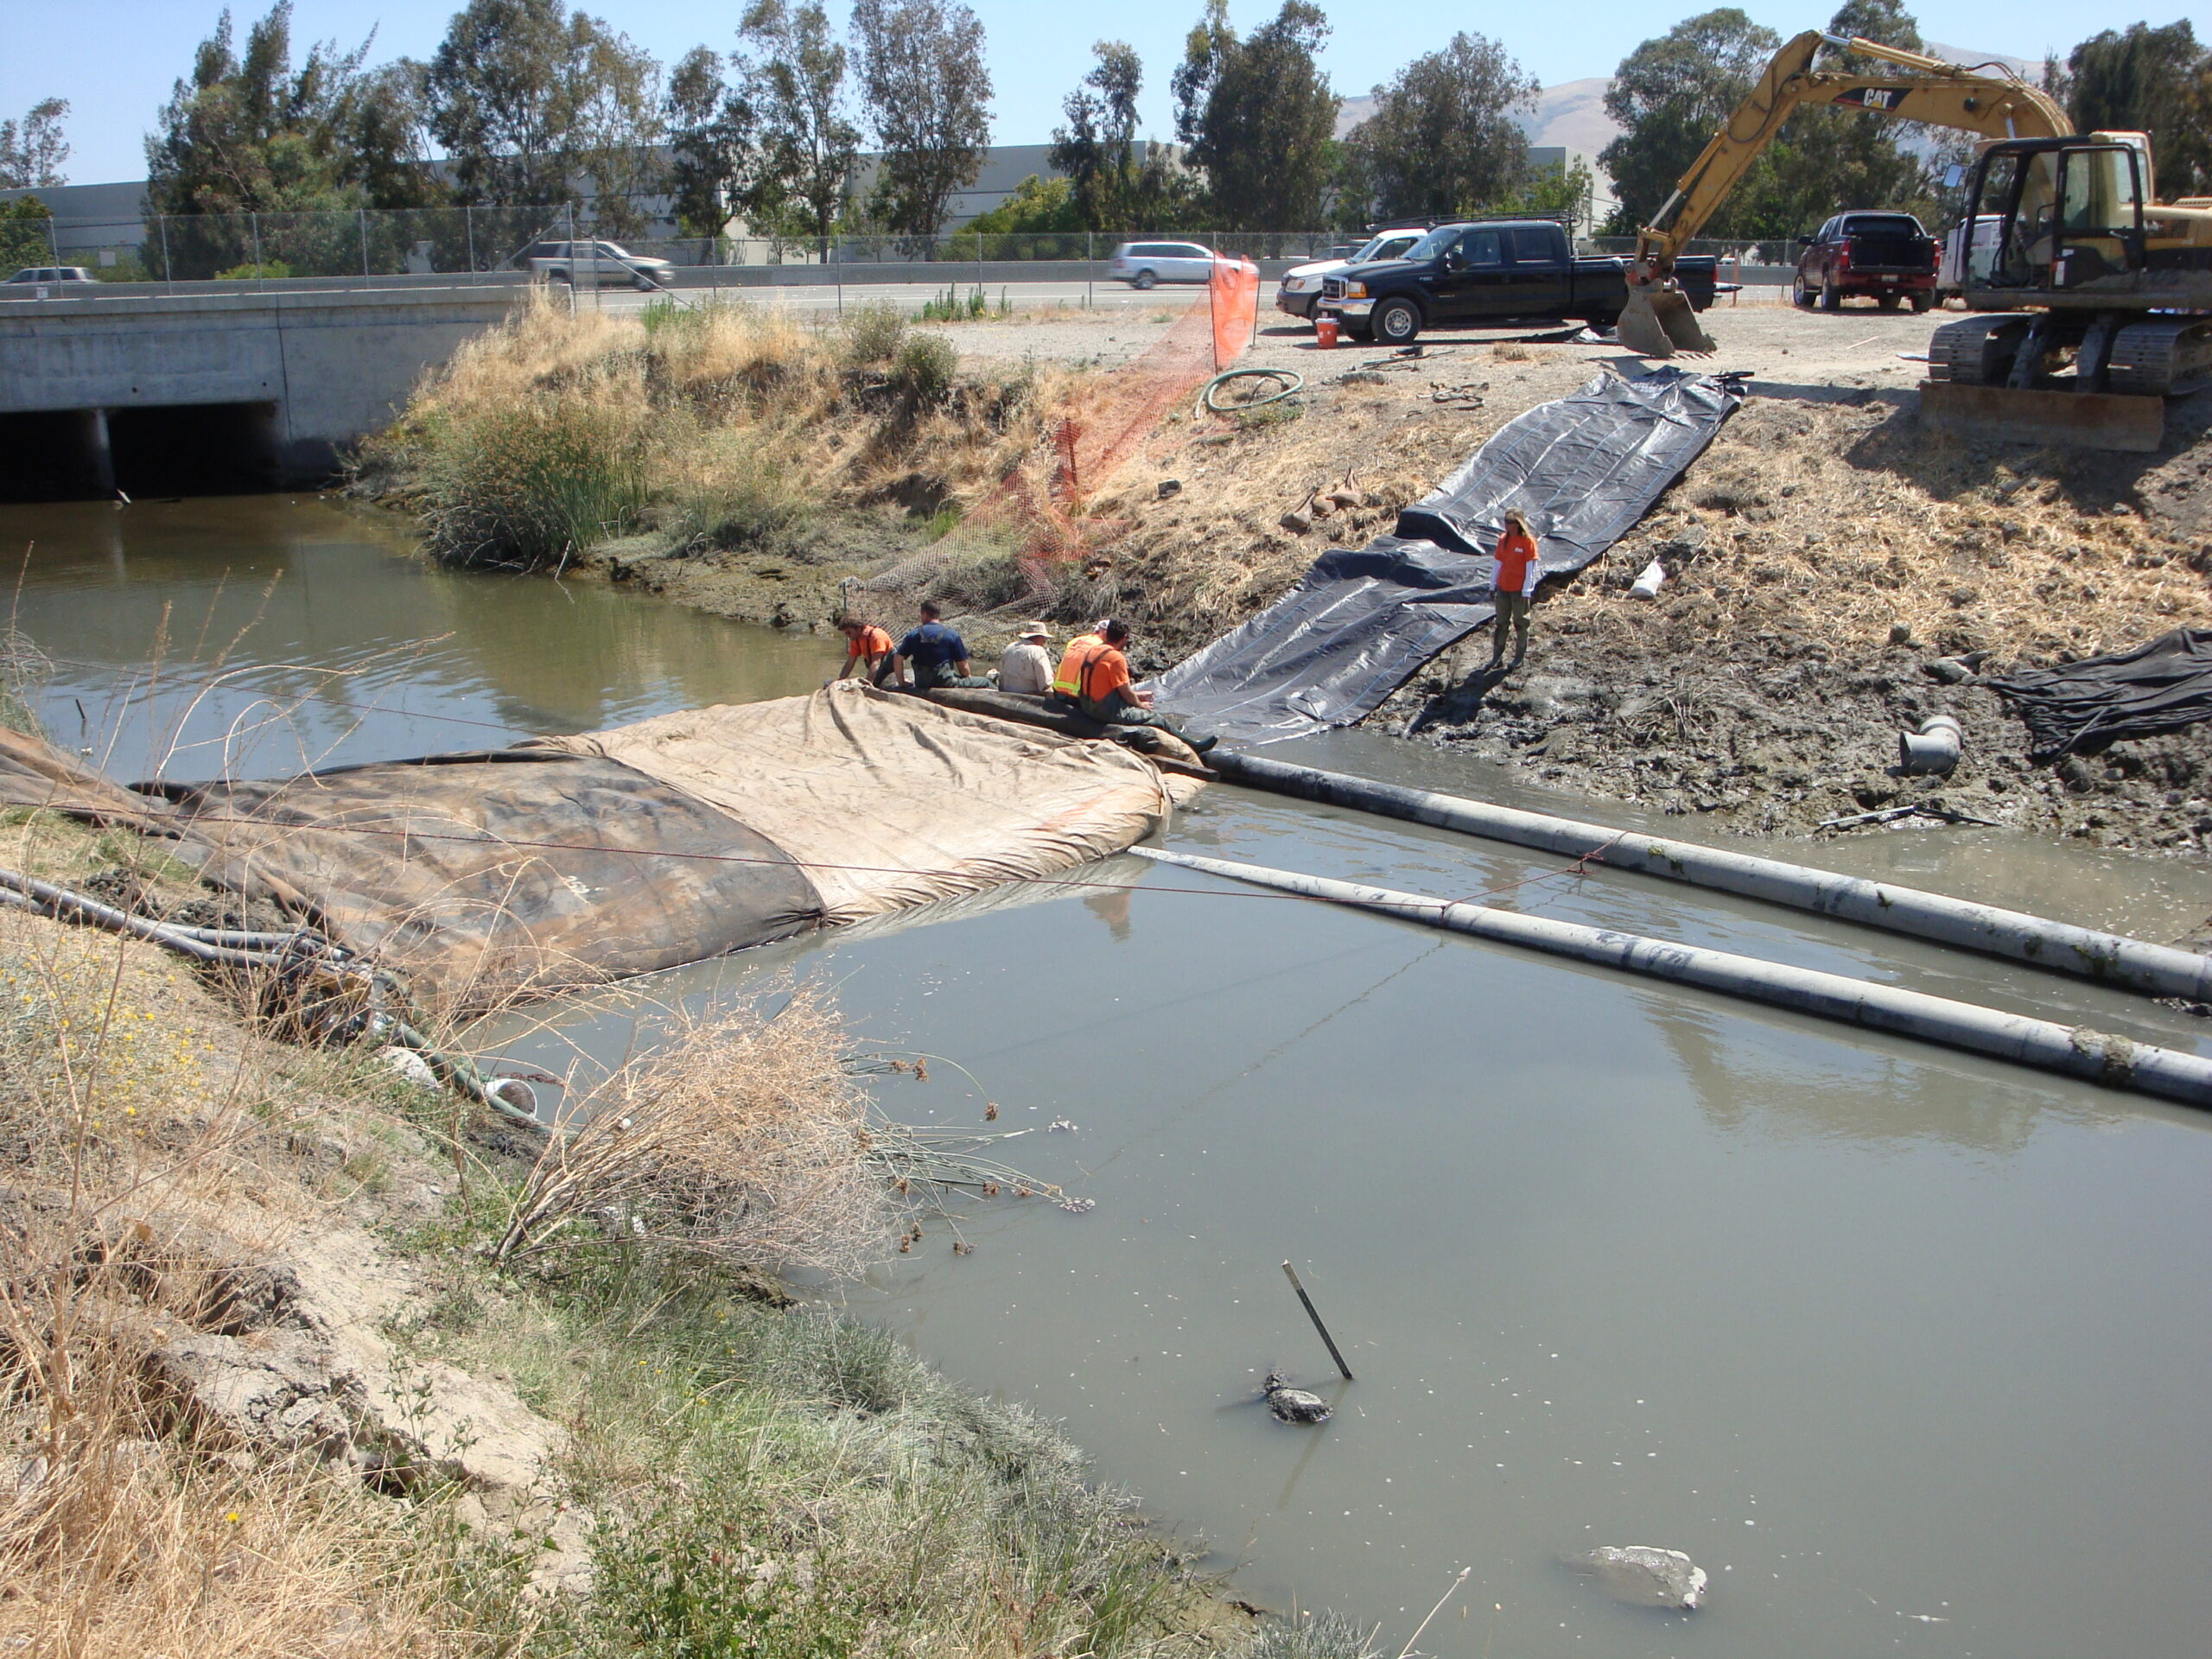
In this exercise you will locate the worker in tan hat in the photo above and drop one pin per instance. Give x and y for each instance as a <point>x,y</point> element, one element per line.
<point>1027,667</point>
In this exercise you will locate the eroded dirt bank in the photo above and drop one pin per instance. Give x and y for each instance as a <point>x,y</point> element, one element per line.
<point>1835,573</point>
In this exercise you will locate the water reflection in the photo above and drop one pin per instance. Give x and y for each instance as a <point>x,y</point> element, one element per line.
<point>1887,1093</point>
<point>260,636</point>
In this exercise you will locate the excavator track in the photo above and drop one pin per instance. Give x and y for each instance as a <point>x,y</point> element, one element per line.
<point>1977,351</point>
<point>2161,358</point>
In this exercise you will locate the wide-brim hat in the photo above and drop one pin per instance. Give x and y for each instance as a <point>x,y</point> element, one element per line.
<point>1034,631</point>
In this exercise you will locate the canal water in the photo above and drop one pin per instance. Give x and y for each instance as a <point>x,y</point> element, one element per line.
<point>1904,1347</point>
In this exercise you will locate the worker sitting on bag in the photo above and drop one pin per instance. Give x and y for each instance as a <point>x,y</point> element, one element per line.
<point>1104,692</point>
<point>868,648</point>
<point>1026,668</point>
<point>1063,682</point>
<point>936,656</point>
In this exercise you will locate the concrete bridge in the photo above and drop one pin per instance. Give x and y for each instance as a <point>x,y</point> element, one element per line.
<point>161,394</point>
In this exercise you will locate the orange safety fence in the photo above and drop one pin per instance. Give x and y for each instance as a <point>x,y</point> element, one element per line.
<point>1104,418</point>
<point>1234,293</point>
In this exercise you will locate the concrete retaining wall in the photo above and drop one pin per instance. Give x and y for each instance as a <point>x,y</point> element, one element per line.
<point>331,367</point>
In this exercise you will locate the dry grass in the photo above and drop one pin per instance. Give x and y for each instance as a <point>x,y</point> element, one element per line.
<point>557,432</point>
<point>740,1140</point>
<point>1836,523</point>
<point>123,1531</point>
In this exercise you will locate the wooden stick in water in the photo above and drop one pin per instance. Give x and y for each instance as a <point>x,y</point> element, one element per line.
<point>1291,1273</point>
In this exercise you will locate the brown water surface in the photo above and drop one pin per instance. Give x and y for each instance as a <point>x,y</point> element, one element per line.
<point>1904,1347</point>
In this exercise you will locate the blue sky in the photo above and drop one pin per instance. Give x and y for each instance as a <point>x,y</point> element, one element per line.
<point>115,60</point>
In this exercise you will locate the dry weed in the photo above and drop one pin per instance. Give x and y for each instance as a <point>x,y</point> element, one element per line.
<point>741,1140</point>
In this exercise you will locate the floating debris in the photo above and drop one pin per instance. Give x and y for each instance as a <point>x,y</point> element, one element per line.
<point>1060,1125</point>
<point>1291,1405</point>
<point>1644,1577</point>
<point>1078,1206</point>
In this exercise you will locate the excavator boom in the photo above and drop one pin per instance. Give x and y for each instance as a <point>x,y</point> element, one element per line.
<point>1657,320</point>
<point>1940,94</point>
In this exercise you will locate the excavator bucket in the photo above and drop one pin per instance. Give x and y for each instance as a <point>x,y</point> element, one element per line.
<point>2069,419</point>
<point>1659,321</point>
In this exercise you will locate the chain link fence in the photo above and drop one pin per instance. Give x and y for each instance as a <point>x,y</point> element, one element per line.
<point>573,242</point>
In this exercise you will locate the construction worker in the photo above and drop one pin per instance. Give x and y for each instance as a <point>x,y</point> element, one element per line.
<point>1026,668</point>
<point>1064,682</point>
<point>1105,693</point>
<point>868,648</point>
<point>1513,587</point>
<point>934,657</point>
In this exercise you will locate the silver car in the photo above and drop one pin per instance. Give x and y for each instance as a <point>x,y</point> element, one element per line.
<point>1141,264</point>
<point>596,264</point>
<point>72,275</point>
<point>1301,285</point>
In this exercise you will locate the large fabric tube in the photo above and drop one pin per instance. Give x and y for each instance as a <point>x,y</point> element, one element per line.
<point>2073,1051</point>
<point>2110,958</point>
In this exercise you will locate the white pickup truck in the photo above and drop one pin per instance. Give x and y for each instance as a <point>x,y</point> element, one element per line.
<point>596,264</point>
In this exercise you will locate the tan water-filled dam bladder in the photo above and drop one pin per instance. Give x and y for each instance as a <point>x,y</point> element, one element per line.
<point>572,860</point>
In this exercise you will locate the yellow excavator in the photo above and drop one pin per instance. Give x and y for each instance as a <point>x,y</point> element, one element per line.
<point>2096,298</point>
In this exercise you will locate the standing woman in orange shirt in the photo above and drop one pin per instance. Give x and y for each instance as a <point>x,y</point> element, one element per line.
<point>1512,587</point>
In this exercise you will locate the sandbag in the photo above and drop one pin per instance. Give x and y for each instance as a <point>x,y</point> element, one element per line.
<point>889,800</point>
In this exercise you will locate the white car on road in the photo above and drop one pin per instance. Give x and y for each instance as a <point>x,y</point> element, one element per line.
<point>1141,264</point>
<point>595,264</point>
<point>1301,285</point>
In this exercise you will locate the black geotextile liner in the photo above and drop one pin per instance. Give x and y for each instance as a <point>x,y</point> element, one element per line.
<point>1359,624</point>
<point>2160,687</point>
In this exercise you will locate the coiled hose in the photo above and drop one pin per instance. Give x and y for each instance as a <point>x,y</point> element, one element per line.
<point>1293,383</point>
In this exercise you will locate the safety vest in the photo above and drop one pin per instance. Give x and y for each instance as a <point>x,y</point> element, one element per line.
<point>1067,680</point>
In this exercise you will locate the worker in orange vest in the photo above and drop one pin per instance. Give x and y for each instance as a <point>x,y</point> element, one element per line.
<point>868,648</point>
<point>1513,587</point>
<point>1064,682</point>
<point>1104,692</point>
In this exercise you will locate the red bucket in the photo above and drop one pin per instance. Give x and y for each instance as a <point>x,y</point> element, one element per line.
<point>1324,331</point>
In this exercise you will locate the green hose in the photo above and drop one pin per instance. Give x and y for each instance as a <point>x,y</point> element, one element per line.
<point>1292,382</point>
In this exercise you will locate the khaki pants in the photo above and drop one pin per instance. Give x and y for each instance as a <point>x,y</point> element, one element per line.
<point>1512,611</point>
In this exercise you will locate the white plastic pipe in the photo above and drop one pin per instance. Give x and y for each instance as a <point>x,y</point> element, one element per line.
<point>2110,958</point>
<point>2073,1051</point>
<point>1935,748</point>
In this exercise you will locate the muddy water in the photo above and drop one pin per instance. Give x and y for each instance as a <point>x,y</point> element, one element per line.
<point>259,636</point>
<point>1904,1347</point>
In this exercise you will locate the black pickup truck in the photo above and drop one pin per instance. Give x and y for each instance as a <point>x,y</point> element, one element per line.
<point>1488,271</point>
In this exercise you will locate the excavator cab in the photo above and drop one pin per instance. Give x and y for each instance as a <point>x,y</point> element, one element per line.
<point>2071,212</point>
<point>2095,300</point>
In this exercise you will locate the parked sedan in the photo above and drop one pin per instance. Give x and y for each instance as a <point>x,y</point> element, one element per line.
<point>1143,264</point>
<point>1300,289</point>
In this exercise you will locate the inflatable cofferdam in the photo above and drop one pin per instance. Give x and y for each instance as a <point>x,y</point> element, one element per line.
<point>572,860</point>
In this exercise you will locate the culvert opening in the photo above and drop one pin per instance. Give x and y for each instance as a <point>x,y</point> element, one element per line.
<point>67,455</point>
<point>194,448</point>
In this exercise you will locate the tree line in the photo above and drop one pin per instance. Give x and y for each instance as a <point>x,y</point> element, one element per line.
<point>529,103</point>
<point>1671,94</point>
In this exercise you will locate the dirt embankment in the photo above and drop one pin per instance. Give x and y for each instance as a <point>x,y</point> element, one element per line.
<point>1828,562</point>
<point>1836,575</point>
<point>300,1356</point>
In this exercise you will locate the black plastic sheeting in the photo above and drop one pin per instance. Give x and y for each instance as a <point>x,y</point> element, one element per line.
<point>1359,624</point>
<point>2160,687</point>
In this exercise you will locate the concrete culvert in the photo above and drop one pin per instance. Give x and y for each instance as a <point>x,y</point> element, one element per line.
<point>1933,748</point>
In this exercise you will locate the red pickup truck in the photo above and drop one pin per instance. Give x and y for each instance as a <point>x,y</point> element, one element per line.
<point>1884,257</point>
